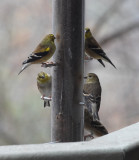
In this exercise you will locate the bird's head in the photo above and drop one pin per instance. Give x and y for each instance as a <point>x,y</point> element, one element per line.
<point>51,37</point>
<point>43,77</point>
<point>88,33</point>
<point>91,78</point>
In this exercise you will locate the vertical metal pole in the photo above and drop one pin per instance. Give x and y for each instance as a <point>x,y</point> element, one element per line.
<point>67,121</point>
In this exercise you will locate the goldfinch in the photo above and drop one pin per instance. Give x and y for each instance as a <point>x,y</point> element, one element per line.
<point>94,127</point>
<point>93,49</point>
<point>44,82</point>
<point>92,94</point>
<point>43,52</point>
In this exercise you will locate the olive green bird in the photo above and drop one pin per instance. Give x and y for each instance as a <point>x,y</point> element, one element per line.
<point>93,49</point>
<point>43,52</point>
<point>94,127</point>
<point>92,94</point>
<point>44,83</point>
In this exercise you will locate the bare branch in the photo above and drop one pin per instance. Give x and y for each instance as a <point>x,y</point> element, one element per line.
<point>105,16</point>
<point>120,33</point>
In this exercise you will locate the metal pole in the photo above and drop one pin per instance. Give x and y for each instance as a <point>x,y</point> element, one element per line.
<point>67,112</point>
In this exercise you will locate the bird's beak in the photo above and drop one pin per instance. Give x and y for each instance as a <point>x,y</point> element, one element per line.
<point>85,77</point>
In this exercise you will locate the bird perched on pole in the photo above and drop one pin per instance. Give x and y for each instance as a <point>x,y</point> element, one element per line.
<point>95,127</point>
<point>43,52</point>
<point>44,82</point>
<point>92,94</point>
<point>93,49</point>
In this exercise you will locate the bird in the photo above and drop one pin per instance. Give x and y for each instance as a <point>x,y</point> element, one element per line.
<point>92,94</point>
<point>93,126</point>
<point>43,52</point>
<point>93,49</point>
<point>44,83</point>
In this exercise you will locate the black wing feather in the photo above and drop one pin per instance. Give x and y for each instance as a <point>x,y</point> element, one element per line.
<point>35,56</point>
<point>100,52</point>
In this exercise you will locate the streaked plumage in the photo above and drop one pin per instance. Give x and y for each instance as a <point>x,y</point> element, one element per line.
<point>44,82</point>
<point>43,52</point>
<point>92,94</point>
<point>94,127</point>
<point>93,49</point>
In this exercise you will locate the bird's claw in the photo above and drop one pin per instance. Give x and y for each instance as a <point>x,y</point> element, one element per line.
<point>88,136</point>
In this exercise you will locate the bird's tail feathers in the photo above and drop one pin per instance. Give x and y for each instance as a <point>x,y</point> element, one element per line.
<point>46,103</point>
<point>24,67</point>
<point>108,60</point>
<point>101,62</point>
<point>99,126</point>
<point>112,64</point>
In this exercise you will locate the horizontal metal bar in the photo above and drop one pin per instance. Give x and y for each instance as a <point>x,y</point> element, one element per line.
<point>119,145</point>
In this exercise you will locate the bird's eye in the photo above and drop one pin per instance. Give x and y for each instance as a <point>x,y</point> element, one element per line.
<point>87,30</point>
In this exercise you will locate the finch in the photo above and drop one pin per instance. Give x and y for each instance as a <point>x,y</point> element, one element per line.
<point>93,49</point>
<point>92,94</point>
<point>44,82</point>
<point>43,52</point>
<point>95,127</point>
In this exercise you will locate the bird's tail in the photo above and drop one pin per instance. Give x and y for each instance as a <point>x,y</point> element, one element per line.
<point>99,126</point>
<point>101,62</point>
<point>46,103</point>
<point>112,64</point>
<point>24,67</point>
<point>108,60</point>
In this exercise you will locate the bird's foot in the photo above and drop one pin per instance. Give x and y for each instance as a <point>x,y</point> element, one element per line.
<point>59,115</point>
<point>48,64</point>
<point>88,136</point>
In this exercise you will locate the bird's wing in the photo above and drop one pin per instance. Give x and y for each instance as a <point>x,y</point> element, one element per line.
<point>95,99</point>
<point>95,47</point>
<point>92,94</point>
<point>36,56</point>
<point>92,104</point>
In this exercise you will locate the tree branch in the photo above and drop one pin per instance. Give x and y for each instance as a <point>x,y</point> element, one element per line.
<point>120,33</point>
<point>105,16</point>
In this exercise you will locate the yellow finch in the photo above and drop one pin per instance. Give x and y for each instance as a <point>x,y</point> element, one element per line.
<point>93,49</point>
<point>44,86</point>
<point>95,127</point>
<point>42,53</point>
<point>92,94</point>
